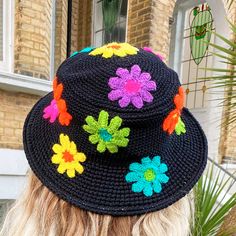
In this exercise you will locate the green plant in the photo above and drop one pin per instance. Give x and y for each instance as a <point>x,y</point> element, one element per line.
<point>211,203</point>
<point>226,78</point>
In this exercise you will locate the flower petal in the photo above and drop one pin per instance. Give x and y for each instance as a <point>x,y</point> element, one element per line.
<point>137,102</point>
<point>163,168</point>
<point>122,72</point>
<point>79,168</point>
<point>112,148</point>
<point>146,160</point>
<point>145,76</point>
<point>148,190</point>
<point>115,82</point>
<point>57,158</point>
<point>80,156</point>
<point>108,52</point>
<point>65,141</point>
<point>138,186</point>
<point>103,119</point>
<point>157,186</point>
<point>156,160</point>
<point>132,177</point>
<point>73,148</point>
<point>71,173</point>
<point>163,178</point>
<point>146,96</point>
<point>120,52</point>
<point>57,148</point>
<point>135,71</point>
<point>101,147</point>
<point>61,168</point>
<point>94,138</point>
<point>150,85</point>
<point>120,142</point>
<point>124,101</point>
<point>115,124</point>
<point>89,129</point>
<point>136,167</point>
<point>91,122</point>
<point>124,132</point>
<point>115,94</point>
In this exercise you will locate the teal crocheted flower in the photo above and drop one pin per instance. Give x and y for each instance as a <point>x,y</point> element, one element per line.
<point>105,135</point>
<point>148,176</point>
<point>87,49</point>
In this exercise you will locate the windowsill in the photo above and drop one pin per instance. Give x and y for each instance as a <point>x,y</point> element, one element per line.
<point>25,84</point>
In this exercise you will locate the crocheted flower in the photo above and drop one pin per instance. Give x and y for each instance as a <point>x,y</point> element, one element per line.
<point>131,87</point>
<point>87,49</point>
<point>74,53</point>
<point>173,121</point>
<point>147,49</point>
<point>106,136</point>
<point>111,49</point>
<point>57,107</point>
<point>148,176</point>
<point>67,157</point>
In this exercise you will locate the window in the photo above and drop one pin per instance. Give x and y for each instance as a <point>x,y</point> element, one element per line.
<point>190,52</point>
<point>118,34</point>
<point>6,34</point>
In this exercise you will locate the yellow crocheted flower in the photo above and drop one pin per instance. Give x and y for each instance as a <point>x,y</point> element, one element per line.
<point>67,156</point>
<point>118,49</point>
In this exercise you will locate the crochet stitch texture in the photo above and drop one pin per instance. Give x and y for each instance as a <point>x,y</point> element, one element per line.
<point>111,138</point>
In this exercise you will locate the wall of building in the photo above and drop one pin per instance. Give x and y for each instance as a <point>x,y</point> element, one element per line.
<point>32,38</point>
<point>13,110</point>
<point>84,23</point>
<point>139,22</point>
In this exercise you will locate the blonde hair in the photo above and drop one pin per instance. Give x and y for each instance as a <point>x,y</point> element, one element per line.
<point>39,212</point>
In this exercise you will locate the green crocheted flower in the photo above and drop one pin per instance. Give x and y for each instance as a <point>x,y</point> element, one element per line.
<point>180,127</point>
<point>105,135</point>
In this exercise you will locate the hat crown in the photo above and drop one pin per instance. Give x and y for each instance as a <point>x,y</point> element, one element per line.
<point>86,84</point>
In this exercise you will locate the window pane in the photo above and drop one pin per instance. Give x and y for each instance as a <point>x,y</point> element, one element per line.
<point>98,16</point>
<point>1,30</point>
<point>119,30</point>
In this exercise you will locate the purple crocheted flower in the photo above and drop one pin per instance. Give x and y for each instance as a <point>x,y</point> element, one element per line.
<point>131,87</point>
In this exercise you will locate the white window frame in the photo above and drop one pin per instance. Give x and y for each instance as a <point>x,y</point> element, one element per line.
<point>8,79</point>
<point>93,22</point>
<point>8,35</point>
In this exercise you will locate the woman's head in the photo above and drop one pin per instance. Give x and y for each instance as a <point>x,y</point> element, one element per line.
<point>40,212</point>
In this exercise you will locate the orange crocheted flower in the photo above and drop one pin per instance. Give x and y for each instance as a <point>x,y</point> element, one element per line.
<point>57,108</point>
<point>173,121</point>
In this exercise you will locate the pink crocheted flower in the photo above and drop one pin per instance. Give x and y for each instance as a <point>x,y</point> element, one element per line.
<point>51,111</point>
<point>147,49</point>
<point>131,87</point>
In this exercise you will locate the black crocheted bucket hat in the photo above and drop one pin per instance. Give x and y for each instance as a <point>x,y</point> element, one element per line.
<point>113,137</point>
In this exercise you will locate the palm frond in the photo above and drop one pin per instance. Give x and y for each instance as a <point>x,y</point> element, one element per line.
<point>212,202</point>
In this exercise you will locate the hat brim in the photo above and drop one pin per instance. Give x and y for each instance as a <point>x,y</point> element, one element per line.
<point>102,187</point>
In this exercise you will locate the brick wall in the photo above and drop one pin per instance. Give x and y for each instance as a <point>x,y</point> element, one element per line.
<point>75,26</point>
<point>13,110</point>
<point>228,133</point>
<point>60,33</point>
<point>84,23</point>
<point>32,37</point>
<point>139,22</point>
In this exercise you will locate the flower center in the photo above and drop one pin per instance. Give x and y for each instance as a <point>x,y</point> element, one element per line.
<point>149,175</point>
<point>114,46</point>
<point>68,157</point>
<point>132,86</point>
<point>105,135</point>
